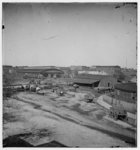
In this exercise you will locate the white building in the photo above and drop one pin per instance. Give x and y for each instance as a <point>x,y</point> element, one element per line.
<point>93,72</point>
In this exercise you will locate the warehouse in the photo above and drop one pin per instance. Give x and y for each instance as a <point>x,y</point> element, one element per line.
<point>8,69</point>
<point>51,72</point>
<point>86,82</point>
<point>110,70</point>
<point>95,81</point>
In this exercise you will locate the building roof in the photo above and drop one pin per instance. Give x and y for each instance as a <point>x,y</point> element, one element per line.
<point>40,70</point>
<point>107,66</point>
<point>128,87</point>
<point>89,78</point>
<point>92,76</point>
<point>52,70</point>
<point>7,66</point>
<point>38,67</point>
<point>84,81</point>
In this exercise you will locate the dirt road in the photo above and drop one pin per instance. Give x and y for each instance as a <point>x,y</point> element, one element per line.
<point>70,120</point>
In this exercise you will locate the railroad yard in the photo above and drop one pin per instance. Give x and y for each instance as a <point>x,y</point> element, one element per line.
<point>39,117</point>
<point>69,74</point>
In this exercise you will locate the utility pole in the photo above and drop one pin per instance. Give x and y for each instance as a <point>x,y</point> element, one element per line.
<point>126,62</point>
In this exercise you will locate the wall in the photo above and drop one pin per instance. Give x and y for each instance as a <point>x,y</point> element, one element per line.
<point>130,107</point>
<point>126,96</point>
<point>104,82</point>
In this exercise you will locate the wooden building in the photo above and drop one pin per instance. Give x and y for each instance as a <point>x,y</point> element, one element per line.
<point>50,72</point>
<point>95,81</point>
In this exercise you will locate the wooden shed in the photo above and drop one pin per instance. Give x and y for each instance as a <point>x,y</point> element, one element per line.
<point>95,81</point>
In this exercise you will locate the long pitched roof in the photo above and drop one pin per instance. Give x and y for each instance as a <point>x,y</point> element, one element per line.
<point>39,70</point>
<point>91,76</point>
<point>88,78</point>
<point>84,81</point>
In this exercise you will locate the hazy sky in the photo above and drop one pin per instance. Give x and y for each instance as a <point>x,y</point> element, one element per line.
<point>69,34</point>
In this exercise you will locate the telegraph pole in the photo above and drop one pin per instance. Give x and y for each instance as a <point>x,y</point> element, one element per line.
<point>126,62</point>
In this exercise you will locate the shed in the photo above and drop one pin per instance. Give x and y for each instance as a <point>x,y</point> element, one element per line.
<point>86,82</point>
<point>95,80</point>
<point>45,71</point>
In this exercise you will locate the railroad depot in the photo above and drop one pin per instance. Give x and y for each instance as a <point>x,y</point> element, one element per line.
<point>50,72</point>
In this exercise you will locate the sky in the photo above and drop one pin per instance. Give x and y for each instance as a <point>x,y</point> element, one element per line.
<point>87,34</point>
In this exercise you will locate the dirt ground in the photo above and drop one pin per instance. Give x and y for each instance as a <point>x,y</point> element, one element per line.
<point>67,119</point>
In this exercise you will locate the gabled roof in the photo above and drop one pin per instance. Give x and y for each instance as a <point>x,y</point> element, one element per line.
<point>91,76</point>
<point>39,70</point>
<point>128,87</point>
<point>84,81</point>
<point>108,66</point>
<point>52,70</point>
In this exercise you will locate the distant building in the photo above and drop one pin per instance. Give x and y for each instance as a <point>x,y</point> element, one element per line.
<point>76,68</point>
<point>67,71</point>
<point>7,69</point>
<point>93,72</point>
<point>79,68</point>
<point>33,75</point>
<point>53,73</point>
<point>110,70</point>
<point>129,72</point>
<point>45,71</point>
